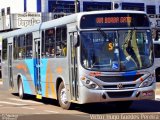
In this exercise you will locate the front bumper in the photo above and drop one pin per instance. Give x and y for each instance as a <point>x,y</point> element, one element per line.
<point>91,96</point>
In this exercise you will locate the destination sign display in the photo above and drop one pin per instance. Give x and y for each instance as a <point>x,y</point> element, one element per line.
<point>114,20</point>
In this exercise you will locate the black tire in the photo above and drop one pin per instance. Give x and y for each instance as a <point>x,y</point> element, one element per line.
<point>63,102</point>
<point>123,105</point>
<point>21,89</point>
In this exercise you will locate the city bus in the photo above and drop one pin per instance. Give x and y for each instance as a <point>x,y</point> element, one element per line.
<point>87,57</point>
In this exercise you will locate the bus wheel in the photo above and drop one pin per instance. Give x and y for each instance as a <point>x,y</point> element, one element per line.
<point>62,97</point>
<point>20,89</point>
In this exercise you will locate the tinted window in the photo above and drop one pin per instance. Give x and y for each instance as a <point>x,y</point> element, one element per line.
<point>29,43</point>
<point>48,45</point>
<point>92,6</point>
<point>133,6</point>
<point>151,9</point>
<point>58,6</point>
<point>21,46</point>
<point>54,42</point>
<point>4,49</point>
<point>61,41</point>
<point>15,46</point>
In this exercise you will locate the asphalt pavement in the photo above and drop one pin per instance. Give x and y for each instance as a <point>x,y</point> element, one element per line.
<point>13,108</point>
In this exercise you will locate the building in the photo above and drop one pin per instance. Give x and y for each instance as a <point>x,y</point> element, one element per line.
<point>22,13</point>
<point>68,6</point>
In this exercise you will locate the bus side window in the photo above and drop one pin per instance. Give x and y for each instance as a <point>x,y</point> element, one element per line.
<point>61,41</point>
<point>49,43</point>
<point>64,41</point>
<point>21,47</point>
<point>15,46</point>
<point>43,44</point>
<point>29,43</point>
<point>4,49</point>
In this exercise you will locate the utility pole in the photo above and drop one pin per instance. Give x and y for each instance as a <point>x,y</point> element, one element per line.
<point>76,6</point>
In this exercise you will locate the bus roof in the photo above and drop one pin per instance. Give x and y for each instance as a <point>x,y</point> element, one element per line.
<point>112,11</point>
<point>62,21</point>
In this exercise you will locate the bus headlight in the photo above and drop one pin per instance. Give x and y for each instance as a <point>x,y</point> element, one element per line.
<point>90,84</point>
<point>147,82</point>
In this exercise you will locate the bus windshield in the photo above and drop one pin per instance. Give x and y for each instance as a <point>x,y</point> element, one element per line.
<point>121,50</point>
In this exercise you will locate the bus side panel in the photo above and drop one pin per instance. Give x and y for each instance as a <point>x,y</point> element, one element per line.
<point>44,77</point>
<point>52,69</point>
<point>25,68</point>
<point>5,75</point>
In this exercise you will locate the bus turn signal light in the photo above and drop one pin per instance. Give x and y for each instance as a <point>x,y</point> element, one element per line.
<point>147,93</point>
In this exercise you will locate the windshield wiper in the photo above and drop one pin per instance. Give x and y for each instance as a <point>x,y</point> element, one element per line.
<point>102,33</point>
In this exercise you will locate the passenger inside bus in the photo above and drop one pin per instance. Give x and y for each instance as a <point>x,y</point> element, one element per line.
<point>48,52</point>
<point>58,51</point>
<point>53,52</point>
<point>64,49</point>
<point>21,53</point>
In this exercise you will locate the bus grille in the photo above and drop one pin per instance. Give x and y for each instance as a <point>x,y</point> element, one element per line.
<point>115,86</point>
<point>127,78</point>
<point>120,94</point>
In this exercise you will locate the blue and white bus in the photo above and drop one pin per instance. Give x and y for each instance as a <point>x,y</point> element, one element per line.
<point>87,57</point>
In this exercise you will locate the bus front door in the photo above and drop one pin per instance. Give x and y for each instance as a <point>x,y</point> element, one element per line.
<point>73,68</point>
<point>37,68</point>
<point>10,72</point>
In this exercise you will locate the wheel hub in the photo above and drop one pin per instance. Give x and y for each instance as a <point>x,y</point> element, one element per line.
<point>63,96</point>
<point>20,90</point>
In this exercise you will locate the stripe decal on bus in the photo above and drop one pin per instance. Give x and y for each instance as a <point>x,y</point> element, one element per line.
<point>47,79</point>
<point>49,82</point>
<point>129,73</point>
<point>43,75</point>
<point>22,67</point>
<point>30,66</point>
<point>26,85</point>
